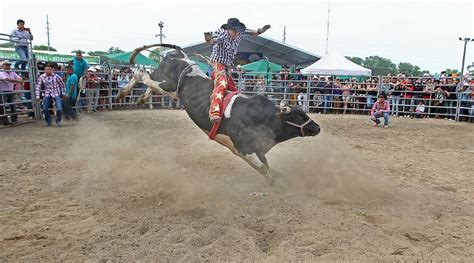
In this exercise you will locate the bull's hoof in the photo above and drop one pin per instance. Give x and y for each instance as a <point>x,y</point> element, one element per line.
<point>273,180</point>
<point>277,185</point>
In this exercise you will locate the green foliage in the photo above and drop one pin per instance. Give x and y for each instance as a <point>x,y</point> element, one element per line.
<point>357,60</point>
<point>380,66</point>
<point>384,66</point>
<point>43,47</point>
<point>7,45</point>
<point>114,50</point>
<point>452,71</point>
<point>409,69</point>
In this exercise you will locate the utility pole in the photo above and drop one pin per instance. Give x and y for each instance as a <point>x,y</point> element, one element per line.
<point>161,25</point>
<point>284,34</point>
<point>327,31</point>
<point>47,31</point>
<point>461,83</point>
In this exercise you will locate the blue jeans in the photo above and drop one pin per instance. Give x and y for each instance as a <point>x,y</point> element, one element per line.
<point>8,98</point>
<point>370,101</point>
<point>327,103</point>
<point>395,103</point>
<point>69,111</point>
<point>28,105</point>
<point>385,118</point>
<point>59,108</point>
<point>23,54</point>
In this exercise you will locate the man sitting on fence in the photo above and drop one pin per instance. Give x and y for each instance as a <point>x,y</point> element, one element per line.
<point>21,35</point>
<point>380,109</point>
<point>8,79</point>
<point>54,88</point>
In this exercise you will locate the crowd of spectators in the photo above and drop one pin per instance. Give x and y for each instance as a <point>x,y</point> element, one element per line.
<point>422,97</point>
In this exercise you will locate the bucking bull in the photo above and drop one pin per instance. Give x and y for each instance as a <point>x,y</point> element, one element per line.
<point>251,125</point>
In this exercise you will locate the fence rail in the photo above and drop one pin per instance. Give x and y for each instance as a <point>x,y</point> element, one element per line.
<point>414,97</point>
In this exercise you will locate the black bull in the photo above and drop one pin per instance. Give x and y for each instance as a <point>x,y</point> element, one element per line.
<point>255,124</point>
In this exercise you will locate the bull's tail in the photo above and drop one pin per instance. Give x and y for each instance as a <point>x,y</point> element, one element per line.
<point>140,49</point>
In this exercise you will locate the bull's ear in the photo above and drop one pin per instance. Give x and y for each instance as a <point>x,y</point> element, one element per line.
<point>166,86</point>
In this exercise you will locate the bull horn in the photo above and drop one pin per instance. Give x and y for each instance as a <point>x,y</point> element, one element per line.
<point>140,49</point>
<point>285,110</point>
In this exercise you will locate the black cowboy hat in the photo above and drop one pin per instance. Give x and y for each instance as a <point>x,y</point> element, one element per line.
<point>234,23</point>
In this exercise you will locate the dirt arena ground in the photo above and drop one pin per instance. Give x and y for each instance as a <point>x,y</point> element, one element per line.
<point>149,185</point>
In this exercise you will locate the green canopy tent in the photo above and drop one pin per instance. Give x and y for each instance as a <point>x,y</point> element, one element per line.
<point>204,67</point>
<point>262,66</point>
<point>139,59</point>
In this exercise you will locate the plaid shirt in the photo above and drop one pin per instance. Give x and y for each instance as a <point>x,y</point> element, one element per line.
<point>8,86</point>
<point>385,107</point>
<point>225,48</point>
<point>53,85</point>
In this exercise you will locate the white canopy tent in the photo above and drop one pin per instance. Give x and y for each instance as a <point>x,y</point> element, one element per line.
<point>335,64</point>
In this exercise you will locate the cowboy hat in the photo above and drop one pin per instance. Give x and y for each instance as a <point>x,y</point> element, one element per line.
<point>235,24</point>
<point>5,62</point>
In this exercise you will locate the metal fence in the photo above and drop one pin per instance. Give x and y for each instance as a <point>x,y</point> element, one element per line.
<point>16,98</point>
<point>419,97</point>
<point>409,97</point>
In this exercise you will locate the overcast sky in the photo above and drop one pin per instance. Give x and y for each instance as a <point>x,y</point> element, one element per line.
<point>422,33</point>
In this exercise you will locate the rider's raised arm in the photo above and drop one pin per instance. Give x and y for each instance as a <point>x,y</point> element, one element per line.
<point>260,30</point>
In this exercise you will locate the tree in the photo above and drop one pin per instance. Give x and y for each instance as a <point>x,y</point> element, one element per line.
<point>357,60</point>
<point>77,50</point>
<point>43,47</point>
<point>7,45</point>
<point>452,71</point>
<point>114,50</point>
<point>380,66</point>
<point>409,69</point>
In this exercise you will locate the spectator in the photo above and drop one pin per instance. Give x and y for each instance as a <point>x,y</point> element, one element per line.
<point>420,110</point>
<point>408,101</point>
<point>371,92</point>
<point>303,97</point>
<point>428,93</point>
<point>92,91</point>
<point>395,92</point>
<point>346,96</point>
<point>337,93</point>
<point>328,91</point>
<point>54,89</point>
<point>260,86</point>
<point>71,94</point>
<point>21,35</point>
<point>451,98</point>
<point>80,65</point>
<point>122,80</point>
<point>360,93</point>
<point>471,110</point>
<point>439,98</point>
<point>380,109</point>
<point>7,84</point>
<point>27,94</point>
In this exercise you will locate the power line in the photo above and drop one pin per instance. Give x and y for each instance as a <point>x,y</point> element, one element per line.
<point>327,31</point>
<point>161,25</point>
<point>47,32</point>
